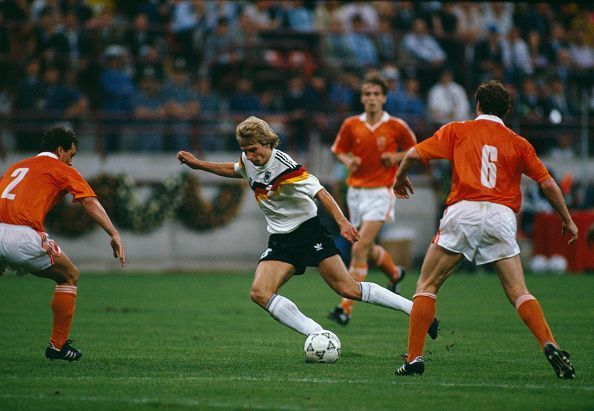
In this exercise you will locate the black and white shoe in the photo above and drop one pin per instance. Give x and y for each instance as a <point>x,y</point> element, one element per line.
<point>339,316</point>
<point>416,367</point>
<point>559,360</point>
<point>393,284</point>
<point>433,329</point>
<point>68,352</point>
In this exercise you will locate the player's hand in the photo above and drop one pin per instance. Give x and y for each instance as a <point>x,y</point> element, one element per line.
<point>403,188</point>
<point>118,249</point>
<point>186,158</point>
<point>571,229</point>
<point>354,164</point>
<point>349,232</point>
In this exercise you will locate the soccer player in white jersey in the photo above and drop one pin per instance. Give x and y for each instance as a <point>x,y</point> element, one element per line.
<point>285,192</point>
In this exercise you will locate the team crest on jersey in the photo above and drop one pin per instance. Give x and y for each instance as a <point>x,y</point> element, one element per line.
<point>381,143</point>
<point>267,175</point>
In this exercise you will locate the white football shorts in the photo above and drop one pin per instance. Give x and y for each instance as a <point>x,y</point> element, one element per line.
<point>370,204</point>
<point>26,250</point>
<point>482,231</point>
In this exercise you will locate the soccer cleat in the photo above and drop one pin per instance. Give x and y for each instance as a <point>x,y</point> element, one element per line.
<point>68,352</point>
<point>417,367</point>
<point>433,329</point>
<point>559,360</point>
<point>339,316</point>
<point>393,284</point>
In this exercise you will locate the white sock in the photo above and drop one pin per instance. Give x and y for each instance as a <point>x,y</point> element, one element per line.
<point>375,294</point>
<point>286,312</point>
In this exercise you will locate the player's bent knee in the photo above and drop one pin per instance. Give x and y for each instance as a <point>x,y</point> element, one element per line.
<point>260,297</point>
<point>349,291</point>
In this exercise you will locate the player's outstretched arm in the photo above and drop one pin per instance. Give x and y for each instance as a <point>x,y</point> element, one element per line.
<point>553,193</point>
<point>94,209</point>
<point>347,230</point>
<point>221,169</point>
<point>402,185</point>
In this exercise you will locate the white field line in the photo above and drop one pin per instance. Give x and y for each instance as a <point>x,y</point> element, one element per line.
<point>562,385</point>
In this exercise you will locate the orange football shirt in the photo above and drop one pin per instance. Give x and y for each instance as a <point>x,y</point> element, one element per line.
<point>488,160</point>
<point>368,142</point>
<point>31,187</point>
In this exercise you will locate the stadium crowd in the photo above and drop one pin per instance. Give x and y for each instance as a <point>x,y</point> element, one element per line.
<point>178,73</point>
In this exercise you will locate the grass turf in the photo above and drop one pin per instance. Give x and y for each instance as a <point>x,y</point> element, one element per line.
<point>197,342</point>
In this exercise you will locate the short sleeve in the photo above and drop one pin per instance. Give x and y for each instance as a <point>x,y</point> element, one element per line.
<point>533,167</point>
<point>75,184</point>
<point>407,136</point>
<point>239,167</point>
<point>440,145</point>
<point>308,186</point>
<point>343,141</point>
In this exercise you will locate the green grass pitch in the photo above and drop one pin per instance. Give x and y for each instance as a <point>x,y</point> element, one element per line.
<point>179,341</point>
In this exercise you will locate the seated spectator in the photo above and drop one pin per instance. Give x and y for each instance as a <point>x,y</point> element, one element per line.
<point>62,102</point>
<point>414,111</point>
<point>28,106</point>
<point>181,106</point>
<point>581,52</point>
<point>488,53</point>
<point>558,106</point>
<point>359,47</point>
<point>298,17</point>
<point>557,40</point>
<point>243,99</point>
<point>538,52</point>
<point>210,105</point>
<point>404,16</point>
<point>529,104</point>
<point>362,8</point>
<point>325,13</point>
<point>223,50</point>
<point>447,101</point>
<point>149,112</point>
<point>516,57</point>
<point>384,41</point>
<point>423,47</point>
<point>563,151</point>
<point>332,45</point>
<point>499,15</point>
<point>263,14</point>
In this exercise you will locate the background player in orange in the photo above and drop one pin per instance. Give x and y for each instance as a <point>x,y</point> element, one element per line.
<point>487,160</point>
<point>29,189</point>
<point>367,144</point>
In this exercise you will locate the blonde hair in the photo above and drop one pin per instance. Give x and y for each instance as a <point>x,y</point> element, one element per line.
<point>254,130</point>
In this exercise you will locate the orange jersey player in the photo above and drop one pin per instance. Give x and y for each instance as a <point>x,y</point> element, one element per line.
<point>28,190</point>
<point>371,145</point>
<point>488,160</point>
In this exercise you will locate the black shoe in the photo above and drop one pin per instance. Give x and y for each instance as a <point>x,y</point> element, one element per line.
<point>417,367</point>
<point>433,329</point>
<point>68,352</point>
<point>393,285</point>
<point>559,361</point>
<point>339,316</point>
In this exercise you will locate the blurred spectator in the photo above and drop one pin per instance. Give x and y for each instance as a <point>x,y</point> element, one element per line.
<point>563,151</point>
<point>149,58</point>
<point>184,23</point>
<point>223,50</point>
<point>423,47</point>
<point>529,105</point>
<point>556,42</point>
<point>80,41</point>
<point>263,14</point>
<point>117,88</point>
<point>497,14</point>
<point>149,112</point>
<point>298,17</point>
<point>140,37</point>
<point>210,105</point>
<point>447,101</point>
<point>366,11</point>
<point>28,106</point>
<point>332,44</point>
<point>558,107</point>
<point>81,10</point>
<point>414,111</point>
<point>360,49</point>
<point>344,92</point>
<point>582,53</point>
<point>533,17</point>
<point>221,8</point>
<point>107,29</point>
<point>51,43</point>
<point>270,102</point>
<point>488,53</point>
<point>325,13</point>
<point>62,102</point>
<point>516,57</point>
<point>295,101</point>
<point>181,107</point>
<point>404,16</point>
<point>470,23</point>
<point>385,42</point>
<point>538,52</point>
<point>244,99</point>
<point>447,30</point>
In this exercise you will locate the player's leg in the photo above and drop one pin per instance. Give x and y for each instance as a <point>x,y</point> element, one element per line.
<point>439,263</point>
<point>360,253</point>
<point>511,275</point>
<point>66,275</point>
<point>383,260</point>
<point>336,276</point>
<point>270,276</point>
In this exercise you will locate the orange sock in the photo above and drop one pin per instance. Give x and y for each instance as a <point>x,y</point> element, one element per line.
<point>421,317</point>
<point>63,308</point>
<point>358,271</point>
<point>385,263</point>
<point>532,315</point>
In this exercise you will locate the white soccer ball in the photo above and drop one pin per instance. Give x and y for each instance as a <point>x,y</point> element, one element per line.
<point>322,346</point>
<point>558,263</point>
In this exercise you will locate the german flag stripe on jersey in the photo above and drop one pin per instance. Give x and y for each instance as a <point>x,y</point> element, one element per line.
<point>287,177</point>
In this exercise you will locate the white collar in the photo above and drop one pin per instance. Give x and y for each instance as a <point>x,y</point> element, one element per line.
<point>47,154</point>
<point>385,117</point>
<point>490,117</point>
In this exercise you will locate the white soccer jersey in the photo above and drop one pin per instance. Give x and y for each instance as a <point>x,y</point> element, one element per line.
<point>284,190</point>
